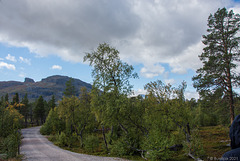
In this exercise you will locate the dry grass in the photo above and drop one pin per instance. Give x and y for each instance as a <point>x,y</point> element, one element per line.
<point>215,140</point>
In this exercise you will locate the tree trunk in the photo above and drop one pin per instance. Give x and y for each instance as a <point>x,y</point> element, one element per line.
<point>104,138</point>
<point>231,102</point>
<point>230,94</point>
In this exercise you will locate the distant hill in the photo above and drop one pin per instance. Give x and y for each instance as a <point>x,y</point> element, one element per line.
<point>53,85</point>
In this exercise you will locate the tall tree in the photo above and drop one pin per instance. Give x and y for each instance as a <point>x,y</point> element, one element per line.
<point>39,110</point>
<point>25,109</point>
<point>52,103</point>
<point>6,98</point>
<point>70,88</point>
<point>111,77</point>
<point>2,101</point>
<point>220,56</point>
<point>15,99</point>
<point>110,73</point>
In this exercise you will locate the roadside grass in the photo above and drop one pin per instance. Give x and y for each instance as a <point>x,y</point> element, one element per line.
<point>214,140</point>
<point>18,158</point>
<point>100,151</point>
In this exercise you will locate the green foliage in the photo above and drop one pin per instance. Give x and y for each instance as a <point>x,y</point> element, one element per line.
<point>70,88</point>
<point>167,116</point>
<point>15,99</point>
<point>25,109</point>
<point>10,122</point>
<point>11,143</point>
<point>52,103</point>
<point>62,139</point>
<point>220,56</point>
<point>91,143</point>
<point>72,116</point>
<point>39,110</point>
<point>158,155</point>
<point>195,146</point>
<point>6,98</point>
<point>109,72</point>
<point>211,109</point>
<point>110,86</point>
<point>53,124</point>
<point>121,148</point>
<point>129,126</point>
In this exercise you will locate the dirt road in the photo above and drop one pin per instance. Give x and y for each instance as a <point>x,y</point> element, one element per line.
<point>36,147</point>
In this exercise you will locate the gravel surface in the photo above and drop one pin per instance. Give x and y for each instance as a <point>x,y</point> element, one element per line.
<point>36,147</point>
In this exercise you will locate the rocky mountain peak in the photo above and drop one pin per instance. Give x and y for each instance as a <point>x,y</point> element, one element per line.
<point>29,80</point>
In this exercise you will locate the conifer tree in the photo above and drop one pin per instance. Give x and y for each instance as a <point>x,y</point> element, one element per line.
<point>25,109</point>
<point>15,99</point>
<point>70,88</point>
<point>39,110</point>
<point>220,56</point>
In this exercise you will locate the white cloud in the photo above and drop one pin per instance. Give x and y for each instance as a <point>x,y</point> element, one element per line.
<point>152,71</point>
<point>188,59</point>
<point>138,92</point>
<point>8,66</point>
<point>190,94</point>
<point>25,60</point>
<point>57,67</point>
<point>145,32</point>
<point>11,58</point>
<point>169,81</point>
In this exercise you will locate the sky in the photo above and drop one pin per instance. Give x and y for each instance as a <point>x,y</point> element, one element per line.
<point>160,38</point>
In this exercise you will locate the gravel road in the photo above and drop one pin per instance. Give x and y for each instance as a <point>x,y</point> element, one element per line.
<point>36,147</point>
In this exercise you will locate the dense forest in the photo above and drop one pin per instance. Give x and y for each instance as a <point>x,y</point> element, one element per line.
<point>154,127</point>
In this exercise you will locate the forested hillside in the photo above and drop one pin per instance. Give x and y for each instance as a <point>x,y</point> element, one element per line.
<point>47,87</point>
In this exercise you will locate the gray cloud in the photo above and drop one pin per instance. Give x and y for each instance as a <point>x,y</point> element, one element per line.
<point>145,31</point>
<point>67,26</point>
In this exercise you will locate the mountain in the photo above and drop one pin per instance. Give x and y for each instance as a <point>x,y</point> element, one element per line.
<point>53,85</point>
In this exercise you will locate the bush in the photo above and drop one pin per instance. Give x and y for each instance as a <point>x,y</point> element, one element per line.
<point>72,140</point>
<point>45,130</point>
<point>91,143</point>
<point>120,148</point>
<point>62,139</point>
<point>53,123</point>
<point>11,144</point>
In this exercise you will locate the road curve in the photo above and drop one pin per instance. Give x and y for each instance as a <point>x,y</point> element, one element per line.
<point>35,147</point>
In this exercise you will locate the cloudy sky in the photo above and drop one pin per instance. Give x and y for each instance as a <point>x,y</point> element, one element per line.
<point>160,38</point>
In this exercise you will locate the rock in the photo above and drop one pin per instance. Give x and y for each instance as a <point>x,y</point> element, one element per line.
<point>29,80</point>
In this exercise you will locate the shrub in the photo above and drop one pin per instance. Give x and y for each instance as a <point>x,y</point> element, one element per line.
<point>11,144</point>
<point>91,143</point>
<point>53,123</point>
<point>62,139</point>
<point>45,130</point>
<point>195,146</point>
<point>72,140</point>
<point>120,148</point>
